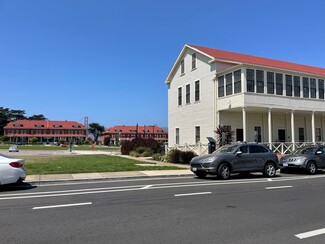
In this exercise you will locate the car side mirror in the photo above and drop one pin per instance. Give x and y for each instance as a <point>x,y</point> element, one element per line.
<point>319,152</point>
<point>239,153</point>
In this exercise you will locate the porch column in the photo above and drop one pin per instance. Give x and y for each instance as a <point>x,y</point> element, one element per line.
<point>217,119</point>
<point>269,118</point>
<point>313,127</point>
<point>293,129</point>
<point>244,124</point>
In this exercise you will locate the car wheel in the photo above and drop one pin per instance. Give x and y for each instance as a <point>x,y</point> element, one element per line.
<point>224,172</point>
<point>269,170</point>
<point>311,168</point>
<point>201,175</point>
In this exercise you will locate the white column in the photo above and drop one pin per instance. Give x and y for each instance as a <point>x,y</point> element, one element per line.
<point>293,129</point>
<point>270,127</point>
<point>217,119</point>
<point>244,124</point>
<point>313,127</point>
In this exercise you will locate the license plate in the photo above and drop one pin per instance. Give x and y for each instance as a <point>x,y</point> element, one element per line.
<point>194,169</point>
<point>285,164</point>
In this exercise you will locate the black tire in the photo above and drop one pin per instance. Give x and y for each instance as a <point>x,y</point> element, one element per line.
<point>269,170</point>
<point>311,168</point>
<point>201,175</point>
<point>224,171</point>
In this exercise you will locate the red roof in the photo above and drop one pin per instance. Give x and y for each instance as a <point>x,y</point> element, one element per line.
<point>132,129</point>
<point>45,124</point>
<point>249,59</point>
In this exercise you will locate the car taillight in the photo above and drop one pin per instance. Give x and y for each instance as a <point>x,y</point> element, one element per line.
<point>16,165</point>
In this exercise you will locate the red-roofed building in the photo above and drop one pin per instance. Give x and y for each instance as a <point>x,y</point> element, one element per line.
<point>121,133</point>
<point>263,100</point>
<point>22,131</point>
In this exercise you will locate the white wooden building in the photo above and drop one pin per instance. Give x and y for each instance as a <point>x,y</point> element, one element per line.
<point>263,100</point>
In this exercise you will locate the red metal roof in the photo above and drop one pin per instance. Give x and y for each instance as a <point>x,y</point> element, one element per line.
<point>132,129</point>
<point>44,124</point>
<point>249,59</point>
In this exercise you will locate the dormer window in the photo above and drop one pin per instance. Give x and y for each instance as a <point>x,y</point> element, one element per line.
<point>39,126</point>
<point>57,126</point>
<point>18,125</point>
<point>76,126</point>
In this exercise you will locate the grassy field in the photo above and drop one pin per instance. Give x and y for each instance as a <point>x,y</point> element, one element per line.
<point>42,147</point>
<point>84,164</point>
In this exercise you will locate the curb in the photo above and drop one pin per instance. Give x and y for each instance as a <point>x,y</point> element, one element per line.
<point>133,177</point>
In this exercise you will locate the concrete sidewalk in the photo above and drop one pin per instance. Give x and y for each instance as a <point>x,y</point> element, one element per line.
<point>34,179</point>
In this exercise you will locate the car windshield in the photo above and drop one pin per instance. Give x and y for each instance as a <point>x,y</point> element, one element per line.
<point>226,149</point>
<point>305,151</point>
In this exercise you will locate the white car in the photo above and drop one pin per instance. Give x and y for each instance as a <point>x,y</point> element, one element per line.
<point>13,148</point>
<point>12,170</point>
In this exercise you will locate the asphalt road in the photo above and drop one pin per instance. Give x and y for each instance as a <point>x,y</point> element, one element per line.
<point>170,210</point>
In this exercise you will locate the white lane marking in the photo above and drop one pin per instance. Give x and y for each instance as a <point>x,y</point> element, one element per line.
<point>63,205</point>
<point>311,233</point>
<point>138,187</point>
<point>277,187</point>
<point>146,187</point>
<point>192,194</point>
<point>269,180</point>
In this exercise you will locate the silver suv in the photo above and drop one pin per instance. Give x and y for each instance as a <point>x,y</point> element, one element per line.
<point>238,158</point>
<point>309,158</point>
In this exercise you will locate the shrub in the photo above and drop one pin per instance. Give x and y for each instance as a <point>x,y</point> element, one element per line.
<point>34,140</point>
<point>107,141</point>
<point>150,143</point>
<point>134,154</point>
<point>158,157</point>
<point>176,156</point>
<point>127,147</point>
<point>186,157</point>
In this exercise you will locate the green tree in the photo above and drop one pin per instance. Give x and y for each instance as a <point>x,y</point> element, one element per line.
<point>96,130</point>
<point>37,117</point>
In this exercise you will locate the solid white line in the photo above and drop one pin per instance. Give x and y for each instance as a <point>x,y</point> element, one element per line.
<point>277,187</point>
<point>311,233</point>
<point>192,194</point>
<point>63,205</point>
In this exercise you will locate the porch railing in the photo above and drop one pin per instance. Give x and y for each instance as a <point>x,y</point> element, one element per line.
<point>276,147</point>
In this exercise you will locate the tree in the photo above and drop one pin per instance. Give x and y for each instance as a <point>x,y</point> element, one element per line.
<point>96,130</point>
<point>37,117</point>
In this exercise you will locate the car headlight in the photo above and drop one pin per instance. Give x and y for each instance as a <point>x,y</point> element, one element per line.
<point>208,160</point>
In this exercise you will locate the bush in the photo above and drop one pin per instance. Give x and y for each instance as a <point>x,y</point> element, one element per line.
<point>150,143</point>
<point>34,140</point>
<point>134,154</point>
<point>186,157</point>
<point>176,156</point>
<point>158,157</point>
<point>107,141</point>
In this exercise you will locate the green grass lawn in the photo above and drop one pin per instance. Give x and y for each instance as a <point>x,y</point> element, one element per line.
<point>85,164</point>
<point>42,147</point>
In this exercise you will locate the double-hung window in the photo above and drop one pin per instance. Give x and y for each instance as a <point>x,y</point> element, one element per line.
<point>197,90</point>
<point>179,96</point>
<point>289,85</point>
<point>188,94</point>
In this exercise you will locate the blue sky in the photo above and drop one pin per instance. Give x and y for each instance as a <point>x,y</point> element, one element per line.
<point>108,60</point>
